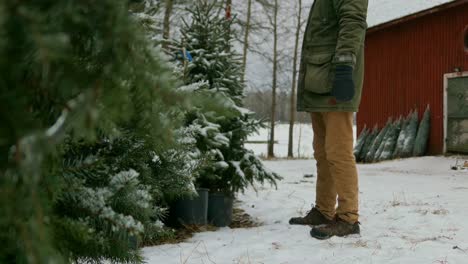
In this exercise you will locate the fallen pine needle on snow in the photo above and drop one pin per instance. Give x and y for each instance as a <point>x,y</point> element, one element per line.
<point>456,247</point>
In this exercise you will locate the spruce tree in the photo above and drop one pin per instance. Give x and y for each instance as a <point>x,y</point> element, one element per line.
<point>211,64</point>
<point>84,103</point>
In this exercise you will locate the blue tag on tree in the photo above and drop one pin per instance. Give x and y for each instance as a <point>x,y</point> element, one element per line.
<point>188,55</point>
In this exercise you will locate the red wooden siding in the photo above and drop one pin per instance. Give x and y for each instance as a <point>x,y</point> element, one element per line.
<point>405,64</point>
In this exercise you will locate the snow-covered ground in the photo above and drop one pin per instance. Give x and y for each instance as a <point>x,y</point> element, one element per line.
<point>303,136</point>
<point>413,211</point>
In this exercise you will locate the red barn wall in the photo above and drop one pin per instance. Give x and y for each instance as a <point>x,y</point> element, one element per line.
<point>405,64</point>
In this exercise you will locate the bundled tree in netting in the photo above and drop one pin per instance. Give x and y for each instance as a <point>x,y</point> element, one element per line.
<point>208,58</point>
<point>82,71</point>
<point>368,143</point>
<point>385,137</point>
<point>402,136</point>
<point>410,136</point>
<point>422,138</point>
<point>390,141</point>
<point>360,142</point>
<point>370,157</point>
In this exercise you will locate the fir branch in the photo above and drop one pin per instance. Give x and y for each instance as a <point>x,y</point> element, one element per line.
<point>28,147</point>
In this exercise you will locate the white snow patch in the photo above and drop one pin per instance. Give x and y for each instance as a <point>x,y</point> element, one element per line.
<point>302,143</point>
<point>413,211</point>
<point>239,171</point>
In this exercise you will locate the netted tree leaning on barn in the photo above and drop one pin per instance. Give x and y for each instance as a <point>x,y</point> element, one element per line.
<point>400,139</point>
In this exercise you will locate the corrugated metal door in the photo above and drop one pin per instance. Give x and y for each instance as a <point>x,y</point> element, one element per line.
<point>457,115</point>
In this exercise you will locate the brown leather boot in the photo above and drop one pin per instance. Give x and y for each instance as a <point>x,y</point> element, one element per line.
<point>313,218</point>
<point>338,227</point>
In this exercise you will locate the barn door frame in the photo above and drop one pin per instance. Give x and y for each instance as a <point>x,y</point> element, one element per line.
<point>448,76</point>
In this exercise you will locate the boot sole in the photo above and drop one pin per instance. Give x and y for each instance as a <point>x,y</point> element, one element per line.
<point>311,225</point>
<point>316,236</point>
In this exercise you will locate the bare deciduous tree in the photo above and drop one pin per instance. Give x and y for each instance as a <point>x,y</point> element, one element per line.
<point>246,37</point>
<point>167,22</point>
<point>271,143</point>
<point>292,118</point>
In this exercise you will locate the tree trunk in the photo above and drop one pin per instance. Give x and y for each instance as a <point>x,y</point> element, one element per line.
<point>228,16</point>
<point>167,22</point>
<point>246,39</point>
<point>271,146</point>
<point>292,119</point>
<point>228,9</point>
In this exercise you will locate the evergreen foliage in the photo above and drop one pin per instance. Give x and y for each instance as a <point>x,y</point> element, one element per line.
<point>360,142</point>
<point>370,157</point>
<point>131,183</point>
<point>95,138</point>
<point>410,136</point>
<point>401,137</point>
<point>148,13</point>
<point>420,143</point>
<point>368,144</point>
<point>388,128</point>
<point>208,37</point>
<point>216,72</point>
<point>390,141</point>
<point>84,72</point>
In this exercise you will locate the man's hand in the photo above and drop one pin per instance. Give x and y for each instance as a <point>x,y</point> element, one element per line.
<point>343,86</point>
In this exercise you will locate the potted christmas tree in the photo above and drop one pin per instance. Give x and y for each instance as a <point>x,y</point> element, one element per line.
<point>221,127</point>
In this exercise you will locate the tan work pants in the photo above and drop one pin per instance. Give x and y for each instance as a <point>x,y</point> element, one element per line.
<point>336,166</point>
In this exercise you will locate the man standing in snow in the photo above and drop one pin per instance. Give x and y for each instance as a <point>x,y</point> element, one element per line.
<point>330,85</point>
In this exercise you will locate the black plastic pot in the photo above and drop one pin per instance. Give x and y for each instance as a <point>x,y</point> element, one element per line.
<point>133,242</point>
<point>189,211</point>
<point>220,209</point>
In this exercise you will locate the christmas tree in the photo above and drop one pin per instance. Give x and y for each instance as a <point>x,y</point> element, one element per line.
<point>86,106</point>
<point>213,68</point>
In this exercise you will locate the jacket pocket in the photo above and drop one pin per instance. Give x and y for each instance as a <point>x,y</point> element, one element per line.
<point>317,77</point>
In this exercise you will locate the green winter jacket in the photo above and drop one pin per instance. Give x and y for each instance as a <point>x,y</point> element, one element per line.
<point>334,35</point>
